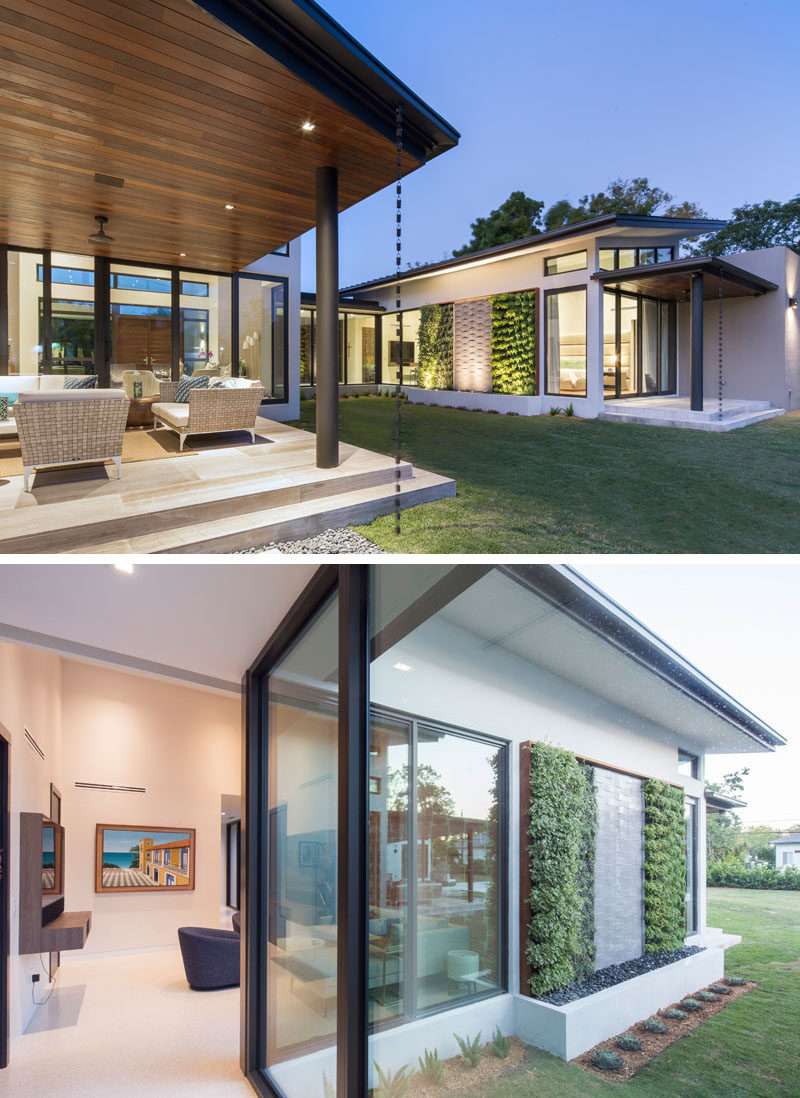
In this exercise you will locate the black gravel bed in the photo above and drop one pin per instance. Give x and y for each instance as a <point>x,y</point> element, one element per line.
<point>345,540</point>
<point>617,974</point>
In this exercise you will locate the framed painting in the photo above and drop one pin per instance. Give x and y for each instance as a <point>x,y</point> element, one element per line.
<point>143,859</point>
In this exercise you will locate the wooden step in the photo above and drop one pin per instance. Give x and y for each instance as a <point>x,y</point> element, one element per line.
<point>300,519</point>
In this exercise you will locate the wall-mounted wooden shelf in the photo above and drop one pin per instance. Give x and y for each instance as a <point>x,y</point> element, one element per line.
<point>68,929</point>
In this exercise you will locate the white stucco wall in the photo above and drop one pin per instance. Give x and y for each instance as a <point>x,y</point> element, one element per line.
<point>286,267</point>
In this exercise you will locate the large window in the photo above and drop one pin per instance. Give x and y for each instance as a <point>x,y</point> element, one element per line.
<point>206,332</point>
<point>358,351</point>
<point>262,334</point>
<point>24,335</point>
<point>141,328</point>
<point>400,354</point>
<point>690,811</point>
<point>639,345</point>
<point>562,264</point>
<point>565,319</point>
<point>614,259</point>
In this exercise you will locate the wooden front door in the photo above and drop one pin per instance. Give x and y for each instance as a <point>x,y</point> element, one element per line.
<point>144,341</point>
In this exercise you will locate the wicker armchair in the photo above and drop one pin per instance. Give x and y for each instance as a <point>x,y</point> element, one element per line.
<point>209,411</point>
<point>71,426</point>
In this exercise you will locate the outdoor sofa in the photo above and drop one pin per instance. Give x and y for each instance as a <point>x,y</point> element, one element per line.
<point>209,411</point>
<point>14,384</point>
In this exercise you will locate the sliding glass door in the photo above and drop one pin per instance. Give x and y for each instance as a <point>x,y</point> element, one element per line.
<point>638,345</point>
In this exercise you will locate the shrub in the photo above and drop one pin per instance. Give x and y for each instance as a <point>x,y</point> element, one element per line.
<point>606,1060</point>
<point>628,1043</point>
<point>554,411</point>
<point>664,866</point>
<point>707,997</point>
<point>676,1015</point>
<point>431,1066</point>
<point>392,1085</point>
<point>560,933</point>
<point>652,1025</point>
<point>691,1004</point>
<point>720,989</point>
<point>473,1053</point>
<point>569,410</point>
<point>501,1046</point>
<point>735,981</point>
<point>435,346</point>
<point>730,874</point>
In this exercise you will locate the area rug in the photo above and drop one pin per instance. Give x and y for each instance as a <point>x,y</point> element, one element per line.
<point>139,445</point>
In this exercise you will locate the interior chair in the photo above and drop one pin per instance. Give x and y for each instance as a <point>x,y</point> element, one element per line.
<point>210,957</point>
<point>150,384</point>
<point>117,370</point>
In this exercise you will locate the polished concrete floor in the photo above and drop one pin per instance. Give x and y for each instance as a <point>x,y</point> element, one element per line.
<point>128,1026</point>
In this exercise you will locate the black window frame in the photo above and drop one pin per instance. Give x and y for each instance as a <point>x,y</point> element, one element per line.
<point>637,250</point>
<point>546,343</point>
<point>672,363</point>
<point>352,584</point>
<point>692,814</point>
<point>694,763</point>
<point>566,255</point>
<point>233,850</point>
<point>261,277</point>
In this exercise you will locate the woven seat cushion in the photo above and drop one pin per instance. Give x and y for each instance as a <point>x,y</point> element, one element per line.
<point>186,384</point>
<point>176,415</point>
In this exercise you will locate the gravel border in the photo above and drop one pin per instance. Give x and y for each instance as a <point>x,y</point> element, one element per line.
<point>344,540</point>
<point>617,974</point>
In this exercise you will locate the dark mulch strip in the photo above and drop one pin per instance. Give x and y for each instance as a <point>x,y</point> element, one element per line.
<point>655,1043</point>
<point>617,974</point>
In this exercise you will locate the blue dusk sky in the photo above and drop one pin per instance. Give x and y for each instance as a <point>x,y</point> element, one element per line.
<point>557,99</point>
<point>120,842</point>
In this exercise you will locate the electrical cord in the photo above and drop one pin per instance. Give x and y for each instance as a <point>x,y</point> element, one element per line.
<point>51,984</point>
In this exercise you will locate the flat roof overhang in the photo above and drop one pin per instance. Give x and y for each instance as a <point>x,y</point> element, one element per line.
<point>719,802</point>
<point>672,281</point>
<point>608,225</point>
<point>158,113</point>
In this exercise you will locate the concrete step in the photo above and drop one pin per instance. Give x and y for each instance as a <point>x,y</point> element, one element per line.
<point>296,520</point>
<point>693,421</point>
<point>149,515</point>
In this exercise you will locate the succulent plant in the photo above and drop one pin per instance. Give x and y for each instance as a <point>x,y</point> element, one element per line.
<point>431,1066</point>
<point>392,1085</point>
<point>652,1025</point>
<point>691,1004</point>
<point>472,1051</point>
<point>735,981</point>
<point>501,1046</point>
<point>606,1060</point>
<point>676,1015</point>
<point>720,989</point>
<point>707,997</point>
<point>628,1043</point>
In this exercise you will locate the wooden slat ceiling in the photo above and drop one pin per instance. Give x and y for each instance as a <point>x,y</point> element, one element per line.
<point>676,286</point>
<point>187,112</point>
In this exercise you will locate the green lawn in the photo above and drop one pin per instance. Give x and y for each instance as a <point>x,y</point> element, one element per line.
<point>749,1050</point>
<point>555,485</point>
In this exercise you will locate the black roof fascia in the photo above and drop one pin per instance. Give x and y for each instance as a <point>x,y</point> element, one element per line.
<point>685,226</point>
<point>719,802</point>
<point>303,38</point>
<point>574,595</point>
<point>308,300</point>
<point>710,265</point>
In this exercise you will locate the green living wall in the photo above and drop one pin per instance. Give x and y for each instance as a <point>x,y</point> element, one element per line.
<point>560,838</point>
<point>435,349</point>
<point>514,343</point>
<point>664,866</point>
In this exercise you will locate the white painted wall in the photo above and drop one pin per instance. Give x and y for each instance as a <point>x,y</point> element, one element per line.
<point>30,697</point>
<point>183,746</point>
<point>286,267</point>
<point>787,856</point>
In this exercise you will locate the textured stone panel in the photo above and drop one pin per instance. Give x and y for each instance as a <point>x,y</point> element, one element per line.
<point>619,900</point>
<point>472,345</point>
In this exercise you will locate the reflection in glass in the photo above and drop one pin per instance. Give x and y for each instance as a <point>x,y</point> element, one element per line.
<point>73,313</point>
<point>626,257</point>
<point>302,831</point>
<point>141,321</point>
<point>650,357</point>
<point>690,812</point>
<point>360,349</point>
<point>665,346</point>
<point>566,342</point>
<point>306,347</point>
<point>262,334</point>
<point>561,264</point>
<point>628,344</point>
<point>24,295</point>
<point>609,344</point>
<point>205,302</point>
<point>607,259</point>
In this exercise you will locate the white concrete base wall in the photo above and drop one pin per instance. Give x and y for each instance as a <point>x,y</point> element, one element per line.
<point>570,1030</point>
<point>501,402</point>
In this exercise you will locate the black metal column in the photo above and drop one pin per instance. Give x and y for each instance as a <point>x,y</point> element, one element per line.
<point>327,319</point>
<point>353,876</point>
<point>696,342</point>
<point>175,315</point>
<point>3,309</point>
<point>47,314</point>
<point>235,325</point>
<point>102,318</point>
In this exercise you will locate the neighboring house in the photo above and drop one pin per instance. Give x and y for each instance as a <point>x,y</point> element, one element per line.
<point>787,851</point>
<point>485,686</point>
<point>604,315</point>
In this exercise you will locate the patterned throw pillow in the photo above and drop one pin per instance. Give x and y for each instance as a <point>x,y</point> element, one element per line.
<point>88,381</point>
<point>186,384</point>
<point>3,408</point>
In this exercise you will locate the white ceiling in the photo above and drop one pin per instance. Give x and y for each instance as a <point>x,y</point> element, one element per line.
<point>197,622</point>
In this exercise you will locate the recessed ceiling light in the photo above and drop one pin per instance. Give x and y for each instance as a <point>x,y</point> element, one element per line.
<point>228,206</point>
<point>123,566</point>
<point>183,255</point>
<point>308,127</point>
<point>403,667</point>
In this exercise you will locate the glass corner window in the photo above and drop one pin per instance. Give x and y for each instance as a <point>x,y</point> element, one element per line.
<point>563,264</point>
<point>262,333</point>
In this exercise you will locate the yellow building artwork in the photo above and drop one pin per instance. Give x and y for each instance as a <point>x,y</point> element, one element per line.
<point>166,864</point>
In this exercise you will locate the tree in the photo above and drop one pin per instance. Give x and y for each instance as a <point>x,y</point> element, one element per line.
<point>757,225</point>
<point>622,196</point>
<point>724,837</point>
<point>517,218</point>
<point>432,795</point>
<point>756,845</point>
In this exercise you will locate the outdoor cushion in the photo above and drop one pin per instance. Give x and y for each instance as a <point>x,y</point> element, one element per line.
<point>176,415</point>
<point>13,384</point>
<point>74,394</point>
<point>87,381</point>
<point>186,384</point>
<point>51,382</point>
